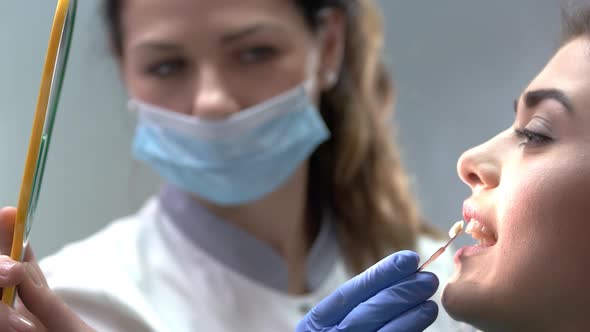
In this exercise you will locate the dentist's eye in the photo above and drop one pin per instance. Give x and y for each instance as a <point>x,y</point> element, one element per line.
<point>257,55</point>
<point>530,138</point>
<point>166,69</point>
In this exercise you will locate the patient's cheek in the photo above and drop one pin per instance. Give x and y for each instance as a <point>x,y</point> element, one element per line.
<point>545,216</point>
<point>518,208</point>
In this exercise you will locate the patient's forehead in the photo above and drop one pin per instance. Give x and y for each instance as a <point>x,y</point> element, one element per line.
<point>569,71</point>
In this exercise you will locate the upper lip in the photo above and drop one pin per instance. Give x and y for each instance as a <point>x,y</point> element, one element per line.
<point>471,211</point>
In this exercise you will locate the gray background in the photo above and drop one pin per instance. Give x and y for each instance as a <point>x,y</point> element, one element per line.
<point>458,65</point>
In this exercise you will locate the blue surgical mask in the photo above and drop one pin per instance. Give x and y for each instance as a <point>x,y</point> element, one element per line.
<point>235,160</point>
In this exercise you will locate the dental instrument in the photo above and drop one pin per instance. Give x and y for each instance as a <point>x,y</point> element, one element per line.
<point>454,232</point>
<point>46,108</point>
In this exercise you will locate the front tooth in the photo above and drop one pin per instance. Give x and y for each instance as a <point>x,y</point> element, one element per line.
<point>470,226</point>
<point>477,227</point>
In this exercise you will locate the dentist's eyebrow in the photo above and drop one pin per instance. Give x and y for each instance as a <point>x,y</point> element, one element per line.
<point>535,97</point>
<point>233,36</point>
<point>158,46</point>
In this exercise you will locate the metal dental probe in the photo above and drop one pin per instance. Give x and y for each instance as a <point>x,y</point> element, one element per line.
<point>457,229</point>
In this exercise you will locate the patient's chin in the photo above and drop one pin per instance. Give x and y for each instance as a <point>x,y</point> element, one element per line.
<point>471,303</point>
<point>452,300</point>
<point>461,302</point>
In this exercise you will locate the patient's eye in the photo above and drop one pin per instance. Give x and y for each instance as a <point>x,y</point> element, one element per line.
<point>531,138</point>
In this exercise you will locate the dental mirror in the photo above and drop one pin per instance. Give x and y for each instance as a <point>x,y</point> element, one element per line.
<point>46,109</point>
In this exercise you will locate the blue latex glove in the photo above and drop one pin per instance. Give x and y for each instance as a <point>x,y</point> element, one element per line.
<point>389,296</point>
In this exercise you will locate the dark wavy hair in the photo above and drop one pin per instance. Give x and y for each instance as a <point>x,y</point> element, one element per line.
<point>357,175</point>
<point>575,21</point>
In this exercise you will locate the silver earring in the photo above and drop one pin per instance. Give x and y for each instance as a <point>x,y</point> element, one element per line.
<point>331,79</point>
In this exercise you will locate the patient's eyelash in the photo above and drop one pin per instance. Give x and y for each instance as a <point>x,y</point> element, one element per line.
<point>531,138</point>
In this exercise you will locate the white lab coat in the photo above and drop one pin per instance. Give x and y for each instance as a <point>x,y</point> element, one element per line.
<point>142,274</point>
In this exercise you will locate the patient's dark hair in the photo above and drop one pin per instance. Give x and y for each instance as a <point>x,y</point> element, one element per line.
<point>575,21</point>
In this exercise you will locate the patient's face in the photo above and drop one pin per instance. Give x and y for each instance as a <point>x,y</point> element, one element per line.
<point>531,191</point>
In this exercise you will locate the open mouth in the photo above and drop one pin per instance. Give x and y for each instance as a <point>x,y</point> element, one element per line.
<point>481,229</point>
<point>485,236</point>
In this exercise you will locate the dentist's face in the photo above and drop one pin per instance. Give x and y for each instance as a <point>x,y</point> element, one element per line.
<point>213,58</point>
<point>531,191</point>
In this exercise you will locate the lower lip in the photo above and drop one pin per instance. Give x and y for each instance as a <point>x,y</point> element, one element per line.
<point>469,251</point>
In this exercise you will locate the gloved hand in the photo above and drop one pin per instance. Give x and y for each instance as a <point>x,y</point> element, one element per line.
<point>38,309</point>
<point>389,296</point>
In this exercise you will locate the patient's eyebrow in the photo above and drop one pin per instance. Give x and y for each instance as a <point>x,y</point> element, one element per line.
<point>535,97</point>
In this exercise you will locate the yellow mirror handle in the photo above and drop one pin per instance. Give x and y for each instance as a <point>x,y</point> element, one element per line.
<point>8,294</point>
